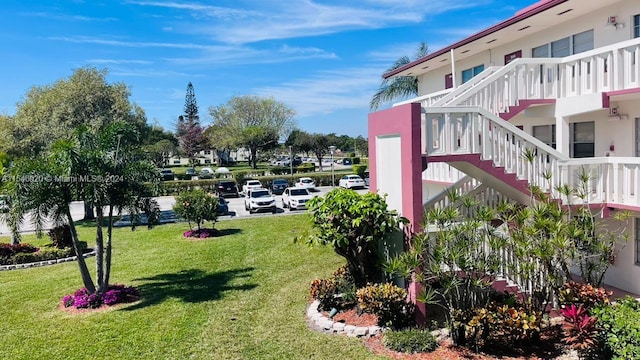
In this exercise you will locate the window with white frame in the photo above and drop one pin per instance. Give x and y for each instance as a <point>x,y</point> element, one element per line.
<point>636,26</point>
<point>546,134</point>
<point>468,74</point>
<point>583,139</point>
<point>570,45</point>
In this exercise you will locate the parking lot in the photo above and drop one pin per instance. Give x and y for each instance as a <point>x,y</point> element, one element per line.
<point>236,210</point>
<point>236,205</point>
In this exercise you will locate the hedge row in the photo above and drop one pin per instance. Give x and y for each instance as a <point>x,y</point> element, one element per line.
<point>179,186</point>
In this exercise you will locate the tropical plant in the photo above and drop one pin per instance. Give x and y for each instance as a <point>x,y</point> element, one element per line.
<point>103,167</point>
<point>398,86</point>
<point>355,225</point>
<point>456,260</point>
<point>580,330</point>
<point>389,303</point>
<point>586,295</point>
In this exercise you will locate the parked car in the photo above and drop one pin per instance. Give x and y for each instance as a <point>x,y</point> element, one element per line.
<point>251,184</point>
<point>278,186</point>
<point>227,188</point>
<point>166,217</point>
<point>351,181</point>
<point>167,175</point>
<point>306,183</point>
<point>191,171</point>
<point>295,198</point>
<point>223,207</point>
<point>259,199</point>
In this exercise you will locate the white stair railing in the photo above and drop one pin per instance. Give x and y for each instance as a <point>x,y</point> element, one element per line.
<point>614,181</point>
<point>613,67</point>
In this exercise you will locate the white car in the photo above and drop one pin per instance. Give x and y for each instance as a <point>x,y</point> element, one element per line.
<point>306,183</point>
<point>352,181</point>
<point>259,200</point>
<point>295,198</point>
<point>250,185</point>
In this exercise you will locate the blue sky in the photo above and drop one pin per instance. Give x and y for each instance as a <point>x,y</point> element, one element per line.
<point>323,58</point>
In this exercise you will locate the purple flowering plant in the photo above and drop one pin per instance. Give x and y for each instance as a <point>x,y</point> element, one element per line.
<point>118,293</point>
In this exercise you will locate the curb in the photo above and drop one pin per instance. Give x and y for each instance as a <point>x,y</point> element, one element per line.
<point>44,263</point>
<point>327,325</point>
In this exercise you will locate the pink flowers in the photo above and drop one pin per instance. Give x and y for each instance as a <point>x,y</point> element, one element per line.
<point>201,233</point>
<point>81,299</point>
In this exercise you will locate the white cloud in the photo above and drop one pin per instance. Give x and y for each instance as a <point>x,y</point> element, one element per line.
<point>327,91</point>
<point>99,41</point>
<point>246,55</point>
<point>68,17</point>
<point>270,19</point>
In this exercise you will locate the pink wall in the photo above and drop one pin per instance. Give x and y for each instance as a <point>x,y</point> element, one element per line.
<point>403,120</point>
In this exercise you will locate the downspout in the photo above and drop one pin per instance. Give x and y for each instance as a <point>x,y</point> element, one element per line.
<point>453,70</point>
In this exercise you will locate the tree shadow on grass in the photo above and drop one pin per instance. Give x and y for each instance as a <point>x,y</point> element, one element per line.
<point>191,286</point>
<point>224,232</point>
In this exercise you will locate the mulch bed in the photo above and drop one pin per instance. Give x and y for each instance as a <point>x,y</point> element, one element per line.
<point>547,348</point>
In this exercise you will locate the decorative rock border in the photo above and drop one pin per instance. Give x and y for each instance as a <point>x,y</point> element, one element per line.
<point>327,325</point>
<point>44,263</point>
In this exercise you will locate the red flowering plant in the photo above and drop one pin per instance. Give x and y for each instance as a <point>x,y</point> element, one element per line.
<point>579,328</point>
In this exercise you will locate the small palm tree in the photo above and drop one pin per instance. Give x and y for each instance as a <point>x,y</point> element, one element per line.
<point>398,86</point>
<point>104,167</point>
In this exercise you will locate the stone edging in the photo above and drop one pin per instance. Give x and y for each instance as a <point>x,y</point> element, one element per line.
<point>44,263</point>
<point>335,327</point>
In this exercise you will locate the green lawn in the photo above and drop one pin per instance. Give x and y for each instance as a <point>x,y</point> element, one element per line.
<point>239,296</point>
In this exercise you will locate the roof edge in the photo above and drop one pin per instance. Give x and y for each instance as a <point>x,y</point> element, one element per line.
<point>519,16</point>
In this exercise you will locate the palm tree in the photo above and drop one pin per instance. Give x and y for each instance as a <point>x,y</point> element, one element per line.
<point>398,86</point>
<point>104,167</point>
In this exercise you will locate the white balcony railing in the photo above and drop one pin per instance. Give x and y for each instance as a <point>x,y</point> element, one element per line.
<point>609,68</point>
<point>468,130</point>
<point>426,100</point>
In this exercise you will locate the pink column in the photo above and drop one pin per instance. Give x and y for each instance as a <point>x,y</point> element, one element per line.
<point>405,121</point>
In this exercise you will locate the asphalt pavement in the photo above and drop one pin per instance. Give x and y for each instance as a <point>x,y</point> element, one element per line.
<point>236,210</point>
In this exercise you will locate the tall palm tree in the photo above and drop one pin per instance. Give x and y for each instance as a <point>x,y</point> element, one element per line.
<point>398,86</point>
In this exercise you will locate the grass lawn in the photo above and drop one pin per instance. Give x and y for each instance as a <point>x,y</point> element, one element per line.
<point>239,296</point>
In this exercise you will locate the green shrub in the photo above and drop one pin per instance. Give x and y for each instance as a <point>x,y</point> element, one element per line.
<point>189,176</point>
<point>497,321</point>
<point>619,324</point>
<point>324,291</point>
<point>352,155</point>
<point>25,258</point>
<point>355,160</point>
<point>338,291</point>
<point>61,236</point>
<point>197,206</point>
<point>585,294</point>
<point>305,168</point>
<point>410,340</point>
<point>360,170</point>
<point>388,302</point>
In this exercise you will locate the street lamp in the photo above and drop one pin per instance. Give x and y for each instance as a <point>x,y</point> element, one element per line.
<point>333,176</point>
